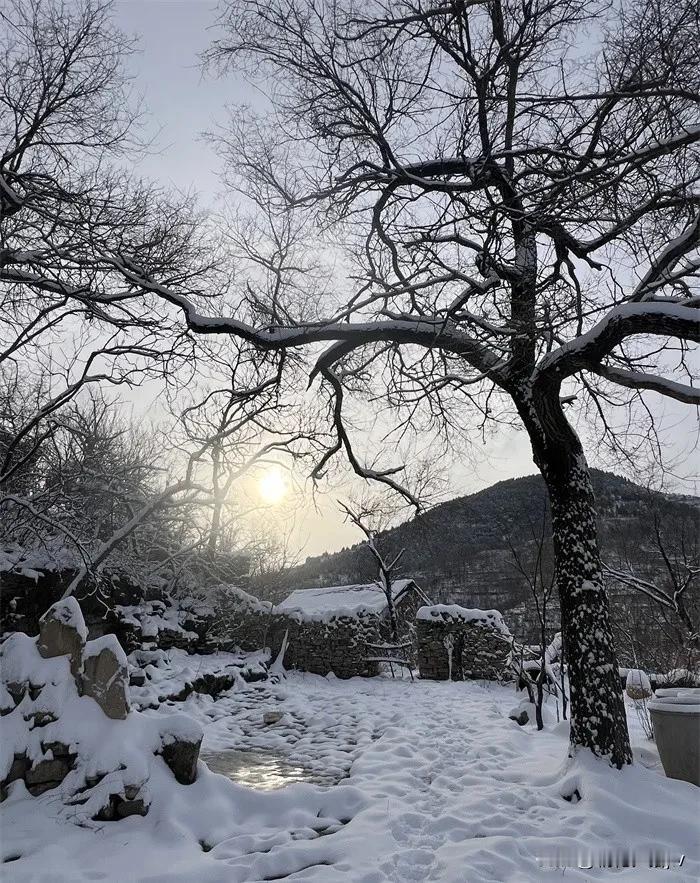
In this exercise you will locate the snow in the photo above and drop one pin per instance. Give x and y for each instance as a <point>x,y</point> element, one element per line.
<point>169,672</point>
<point>323,603</point>
<point>490,618</point>
<point>679,701</point>
<point>67,611</point>
<point>439,786</point>
<point>106,642</point>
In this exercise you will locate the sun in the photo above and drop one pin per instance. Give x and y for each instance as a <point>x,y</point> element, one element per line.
<point>273,487</point>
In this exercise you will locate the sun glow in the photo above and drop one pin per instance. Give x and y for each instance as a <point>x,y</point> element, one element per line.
<point>273,487</point>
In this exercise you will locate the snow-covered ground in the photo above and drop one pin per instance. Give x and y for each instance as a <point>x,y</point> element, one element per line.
<point>440,785</point>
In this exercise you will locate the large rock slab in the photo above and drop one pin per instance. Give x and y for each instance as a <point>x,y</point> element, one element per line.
<point>62,632</point>
<point>105,676</point>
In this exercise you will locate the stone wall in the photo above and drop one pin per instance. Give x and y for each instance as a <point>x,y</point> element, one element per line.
<point>137,616</point>
<point>320,647</point>
<point>241,619</point>
<point>338,644</point>
<point>461,644</point>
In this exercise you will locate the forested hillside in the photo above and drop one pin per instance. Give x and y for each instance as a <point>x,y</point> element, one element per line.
<point>460,551</point>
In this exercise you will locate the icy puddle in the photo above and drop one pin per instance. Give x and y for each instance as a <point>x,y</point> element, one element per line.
<point>262,770</point>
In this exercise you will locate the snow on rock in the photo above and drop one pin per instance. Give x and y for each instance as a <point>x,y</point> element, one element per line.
<point>327,602</point>
<point>161,623</point>
<point>489,618</point>
<point>105,676</point>
<point>105,642</point>
<point>67,611</point>
<point>62,632</point>
<point>54,736</point>
<point>159,676</point>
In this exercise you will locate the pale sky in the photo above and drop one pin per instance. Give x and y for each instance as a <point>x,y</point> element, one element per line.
<point>181,104</point>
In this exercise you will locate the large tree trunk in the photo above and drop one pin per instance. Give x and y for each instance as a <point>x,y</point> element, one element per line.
<point>598,718</point>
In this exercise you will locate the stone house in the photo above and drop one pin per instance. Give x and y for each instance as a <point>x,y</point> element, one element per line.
<point>458,643</point>
<point>328,628</point>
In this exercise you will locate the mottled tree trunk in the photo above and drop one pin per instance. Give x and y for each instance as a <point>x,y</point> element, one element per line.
<point>598,719</point>
<point>597,711</point>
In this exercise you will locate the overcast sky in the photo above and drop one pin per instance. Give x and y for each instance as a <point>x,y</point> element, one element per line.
<point>181,105</point>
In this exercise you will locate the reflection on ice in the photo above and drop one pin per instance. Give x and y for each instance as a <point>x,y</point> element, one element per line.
<point>262,770</point>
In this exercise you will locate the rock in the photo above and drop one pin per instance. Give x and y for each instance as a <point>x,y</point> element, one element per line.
<point>17,769</point>
<point>181,739</point>
<point>520,716</point>
<point>137,679</point>
<point>105,676</point>
<point>182,759</point>
<point>62,632</point>
<point>57,749</point>
<point>47,771</point>
<point>272,717</point>
<point>117,807</point>
<point>40,718</point>
<point>137,807</point>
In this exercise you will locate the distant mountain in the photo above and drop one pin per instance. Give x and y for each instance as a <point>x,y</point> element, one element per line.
<point>462,551</point>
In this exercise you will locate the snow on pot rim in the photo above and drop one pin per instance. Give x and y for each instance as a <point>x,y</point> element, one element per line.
<point>681,700</point>
<point>689,694</point>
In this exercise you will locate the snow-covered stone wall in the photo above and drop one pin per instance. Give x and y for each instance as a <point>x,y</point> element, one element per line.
<point>456,643</point>
<point>338,643</point>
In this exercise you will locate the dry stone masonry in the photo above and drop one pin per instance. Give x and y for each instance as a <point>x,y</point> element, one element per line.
<point>457,643</point>
<point>335,645</point>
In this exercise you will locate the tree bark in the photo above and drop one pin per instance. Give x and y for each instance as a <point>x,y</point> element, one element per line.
<point>597,710</point>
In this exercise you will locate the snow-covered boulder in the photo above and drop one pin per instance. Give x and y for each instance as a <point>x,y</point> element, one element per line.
<point>105,676</point>
<point>181,738</point>
<point>74,734</point>
<point>62,632</point>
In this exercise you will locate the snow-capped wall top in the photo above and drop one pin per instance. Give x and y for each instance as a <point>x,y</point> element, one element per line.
<point>67,611</point>
<point>443,612</point>
<point>244,599</point>
<point>328,601</point>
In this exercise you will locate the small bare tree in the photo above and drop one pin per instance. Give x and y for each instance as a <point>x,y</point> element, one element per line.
<point>386,567</point>
<point>670,586</point>
<point>535,565</point>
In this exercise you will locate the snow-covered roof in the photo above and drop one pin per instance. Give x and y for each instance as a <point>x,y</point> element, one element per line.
<point>327,601</point>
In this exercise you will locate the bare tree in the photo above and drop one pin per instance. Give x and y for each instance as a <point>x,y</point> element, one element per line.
<point>520,224</point>
<point>534,564</point>
<point>386,567</point>
<point>669,584</point>
<point>524,222</point>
